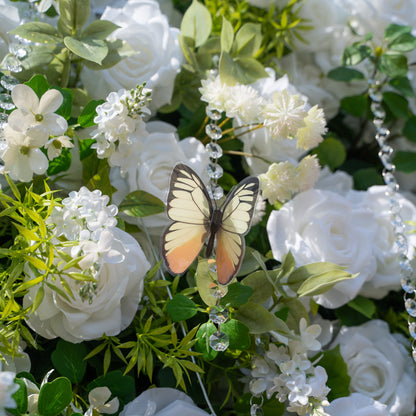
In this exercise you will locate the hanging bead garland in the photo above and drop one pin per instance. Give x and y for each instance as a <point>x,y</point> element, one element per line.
<point>407,277</point>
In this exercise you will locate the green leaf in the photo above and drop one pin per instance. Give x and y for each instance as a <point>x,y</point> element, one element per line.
<point>99,29</point>
<point>227,35</point>
<point>406,42</point>
<point>249,264</point>
<point>39,32</point>
<point>262,288</point>
<point>409,129</point>
<point>68,359</point>
<point>121,386</point>
<point>259,320</point>
<point>181,308</point>
<point>366,177</point>
<point>405,161</point>
<point>86,118</point>
<point>39,84</point>
<point>196,23</point>
<point>247,40</point>
<point>345,74</point>
<point>237,294</point>
<point>397,104</point>
<point>202,344</point>
<point>393,65</point>
<point>238,334</point>
<point>363,305</point>
<point>60,163</point>
<point>393,31</point>
<point>354,54</point>
<point>355,105</point>
<point>331,152</point>
<point>54,397</point>
<point>336,368</point>
<point>204,282</point>
<point>66,107</point>
<point>91,49</point>
<point>20,397</point>
<point>403,85</point>
<point>75,13</point>
<point>141,204</point>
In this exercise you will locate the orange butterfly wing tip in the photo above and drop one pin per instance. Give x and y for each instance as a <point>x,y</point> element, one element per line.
<point>226,269</point>
<point>181,257</point>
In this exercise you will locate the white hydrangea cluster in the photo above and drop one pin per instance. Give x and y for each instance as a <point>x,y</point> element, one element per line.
<point>286,371</point>
<point>33,125</point>
<point>285,114</point>
<point>283,180</point>
<point>120,125</point>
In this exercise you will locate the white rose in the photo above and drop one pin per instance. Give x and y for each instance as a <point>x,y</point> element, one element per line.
<point>387,276</point>
<point>162,401</point>
<point>323,226</point>
<point>339,181</point>
<point>158,55</point>
<point>356,405</point>
<point>113,306</point>
<point>161,151</point>
<point>379,365</point>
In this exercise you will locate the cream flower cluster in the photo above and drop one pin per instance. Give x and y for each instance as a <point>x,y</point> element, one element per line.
<point>286,371</point>
<point>33,125</point>
<point>282,180</point>
<point>120,126</point>
<point>112,257</point>
<point>284,114</point>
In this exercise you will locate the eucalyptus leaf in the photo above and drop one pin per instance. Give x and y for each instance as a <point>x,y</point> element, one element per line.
<point>54,397</point>
<point>247,40</point>
<point>227,35</point>
<point>99,29</point>
<point>39,32</point>
<point>204,282</point>
<point>196,23</point>
<point>242,70</point>
<point>74,13</point>
<point>262,288</point>
<point>237,294</point>
<point>141,204</point>
<point>363,305</point>
<point>181,308</point>
<point>91,49</point>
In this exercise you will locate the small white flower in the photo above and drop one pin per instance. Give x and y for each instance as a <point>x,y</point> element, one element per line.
<point>7,388</point>
<point>37,112</point>
<point>244,102</point>
<point>215,93</point>
<point>315,127</point>
<point>309,335</point>
<point>98,399</point>
<point>300,390</point>
<point>55,145</point>
<point>285,114</point>
<point>308,172</point>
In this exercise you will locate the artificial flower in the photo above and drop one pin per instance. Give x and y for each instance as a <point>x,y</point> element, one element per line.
<point>7,388</point>
<point>99,401</point>
<point>54,146</point>
<point>356,404</point>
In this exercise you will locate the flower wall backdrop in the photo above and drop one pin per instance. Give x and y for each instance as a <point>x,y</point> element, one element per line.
<point>101,100</point>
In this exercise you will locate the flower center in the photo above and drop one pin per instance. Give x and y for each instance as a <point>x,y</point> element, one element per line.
<point>24,150</point>
<point>38,117</point>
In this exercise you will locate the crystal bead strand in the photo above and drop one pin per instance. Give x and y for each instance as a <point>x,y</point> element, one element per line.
<point>6,103</point>
<point>407,278</point>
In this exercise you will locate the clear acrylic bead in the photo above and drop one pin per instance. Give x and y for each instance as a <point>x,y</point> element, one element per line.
<point>412,329</point>
<point>385,154</point>
<point>400,242</point>
<point>408,284</point>
<point>213,114</point>
<point>18,50</point>
<point>395,206</point>
<point>378,110</point>
<point>219,341</point>
<point>255,410</point>
<point>3,120</point>
<point>8,82</point>
<point>390,181</point>
<point>375,94</point>
<point>6,102</point>
<point>214,150</point>
<point>382,134</point>
<point>219,314</point>
<point>218,291</point>
<point>213,131</point>
<point>398,223</point>
<point>414,354</point>
<point>215,192</point>
<point>410,305</point>
<point>215,171</point>
<point>12,64</point>
<point>406,268</point>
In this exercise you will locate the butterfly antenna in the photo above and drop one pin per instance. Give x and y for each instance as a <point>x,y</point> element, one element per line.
<point>156,257</point>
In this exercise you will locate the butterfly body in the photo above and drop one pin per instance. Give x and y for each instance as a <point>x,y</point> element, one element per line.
<point>197,220</point>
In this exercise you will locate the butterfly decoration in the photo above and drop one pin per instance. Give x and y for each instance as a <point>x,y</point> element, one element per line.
<point>197,220</point>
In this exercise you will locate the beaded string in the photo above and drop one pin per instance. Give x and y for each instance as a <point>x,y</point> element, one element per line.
<point>407,278</point>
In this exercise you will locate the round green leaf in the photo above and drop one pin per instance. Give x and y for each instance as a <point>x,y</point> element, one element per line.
<point>202,344</point>
<point>331,152</point>
<point>238,334</point>
<point>355,105</point>
<point>345,74</point>
<point>54,397</point>
<point>393,65</point>
<point>397,104</point>
<point>237,294</point>
<point>366,177</point>
<point>181,308</point>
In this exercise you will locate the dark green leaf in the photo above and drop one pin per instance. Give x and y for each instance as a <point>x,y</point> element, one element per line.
<point>366,177</point>
<point>238,334</point>
<point>397,104</point>
<point>345,74</point>
<point>403,85</point>
<point>66,107</point>
<point>91,49</point>
<point>363,305</point>
<point>355,105</point>
<point>237,295</point>
<point>141,204</point>
<point>393,65</point>
<point>61,163</point>
<point>354,54</point>
<point>85,148</point>
<point>181,308</point>
<point>336,368</point>
<point>38,84</point>
<point>393,31</point>
<point>39,32</point>
<point>68,360</point>
<point>409,129</point>
<point>331,152</point>
<point>86,118</point>
<point>99,29</point>
<point>20,397</point>
<point>405,161</point>
<point>403,43</point>
<point>202,344</point>
<point>54,397</point>
<point>196,23</point>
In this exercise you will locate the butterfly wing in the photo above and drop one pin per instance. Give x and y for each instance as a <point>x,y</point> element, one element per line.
<point>236,219</point>
<point>190,208</point>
